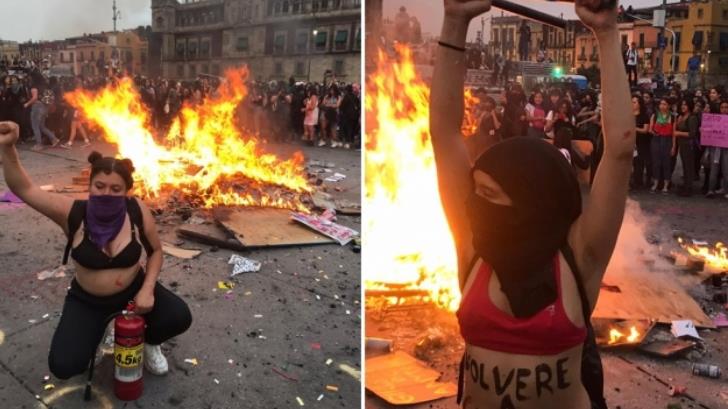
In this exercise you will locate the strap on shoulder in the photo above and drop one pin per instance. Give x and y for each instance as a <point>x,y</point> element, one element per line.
<point>75,217</point>
<point>137,219</point>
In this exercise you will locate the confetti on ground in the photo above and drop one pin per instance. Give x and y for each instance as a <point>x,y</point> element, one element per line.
<point>46,378</point>
<point>248,293</point>
<point>192,361</point>
<point>320,397</point>
<point>332,388</point>
<point>216,381</point>
<point>318,297</point>
<point>258,315</point>
<point>300,401</point>
<point>46,316</point>
<point>315,345</point>
<point>329,361</point>
<point>49,387</point>
<point>225,285</point>
<point>355,373</point>
<point>230,361</point>
<point>32,321</point>
<point>284,375</point>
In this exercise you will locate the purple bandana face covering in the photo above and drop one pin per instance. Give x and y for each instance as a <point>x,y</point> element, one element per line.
<point>105,216</point>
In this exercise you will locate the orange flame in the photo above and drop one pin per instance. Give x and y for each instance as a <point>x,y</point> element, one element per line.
<point>616,336</point>
<point>407,240</point>
<point>715,257</point>
<point>204,154</point>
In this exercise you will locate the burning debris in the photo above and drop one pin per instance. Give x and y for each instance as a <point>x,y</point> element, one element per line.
<point>401,196</point>
<point>204,156</point>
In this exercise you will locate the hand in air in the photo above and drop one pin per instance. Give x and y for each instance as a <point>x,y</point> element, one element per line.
<point>466,9</point>
<point>9,132</point>
<point>599,15</point>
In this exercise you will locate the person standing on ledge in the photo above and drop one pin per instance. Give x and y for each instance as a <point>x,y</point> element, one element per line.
<point>530,259</point>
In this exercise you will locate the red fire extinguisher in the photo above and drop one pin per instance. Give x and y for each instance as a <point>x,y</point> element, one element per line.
<point>128,354</point>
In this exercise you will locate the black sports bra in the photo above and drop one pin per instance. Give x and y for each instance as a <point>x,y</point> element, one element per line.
<point>88,255</point>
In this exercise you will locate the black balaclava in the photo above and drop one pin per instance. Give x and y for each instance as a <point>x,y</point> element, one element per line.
<point>520,241</point>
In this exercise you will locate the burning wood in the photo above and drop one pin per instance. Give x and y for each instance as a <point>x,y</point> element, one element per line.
<point>615,333</point>
<point>714,258</point>
<point>405,224</point>
<point>204,155</point>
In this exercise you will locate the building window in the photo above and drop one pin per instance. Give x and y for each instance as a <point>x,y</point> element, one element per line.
<point>723,41</point>
<point>285,6</point>
<point>297,6</point>
<point>341,40</point>
<point>642,40</point>
<point>215,69</point>
<point>324,4</point>
<point>300,68</point>
<point>180,49</point>
<point>62,59</point>
<point>700,13</point>
<point>180,71</point>
<point>279,43</point>
<point>301,41</point>
<point>339,67</point>
<point>193,71</point>
<point>676,40</point>
<point>192,49</point>
<point>495,36</point>
<point>725,14</point>
<point>205,69</point>
<point>80,56</point>
<point>129,56</point>
<point>320,40</point>
<point>102,56</point>
<point>143,57</point>
<point>93,56</point>
<point>205,48</point>
<point>71,57</point>
<point>279,68</point>
<point>357,39</point>
<point>242,44</point>
<point>277,8</point>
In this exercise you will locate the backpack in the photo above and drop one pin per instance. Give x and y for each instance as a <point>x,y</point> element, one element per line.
<point>78,214</point>
<point>592,373</point>
<point>48,97</point>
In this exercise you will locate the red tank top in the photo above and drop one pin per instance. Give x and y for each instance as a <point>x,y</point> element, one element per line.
<point>548,332</point>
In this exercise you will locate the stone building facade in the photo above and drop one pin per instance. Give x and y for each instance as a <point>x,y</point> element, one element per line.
<point>276,39</point>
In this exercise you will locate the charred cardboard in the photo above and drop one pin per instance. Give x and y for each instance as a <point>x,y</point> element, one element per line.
<point>401,379</point>
<point>266,227</point>
<point>211,235</point>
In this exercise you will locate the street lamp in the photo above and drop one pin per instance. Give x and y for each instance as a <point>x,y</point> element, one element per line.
<point>308,76</point>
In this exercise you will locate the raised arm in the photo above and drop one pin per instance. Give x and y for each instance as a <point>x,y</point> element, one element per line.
<point>54,206</point>
<point>594,234</point>
<point>446,117</point>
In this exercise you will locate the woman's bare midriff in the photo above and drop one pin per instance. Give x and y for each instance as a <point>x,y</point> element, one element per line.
<point>498,380</point>
<point>107,282</point>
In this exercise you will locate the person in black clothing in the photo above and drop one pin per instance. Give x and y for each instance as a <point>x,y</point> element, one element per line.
<point>686,131</point>
<point>350,111</point>
<point>641,163</point>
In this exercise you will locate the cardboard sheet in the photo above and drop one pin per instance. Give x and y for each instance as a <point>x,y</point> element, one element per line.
<point>211,235</point>
<point>648,296</point>
<point>266,227</point>
<point>401,379</point>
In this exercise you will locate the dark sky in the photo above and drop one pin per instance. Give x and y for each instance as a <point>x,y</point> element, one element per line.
<point>22,20</point>
<point>430,12</point>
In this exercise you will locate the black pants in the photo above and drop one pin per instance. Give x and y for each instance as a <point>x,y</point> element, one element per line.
<point>632,74</point>
<point>81,327</point>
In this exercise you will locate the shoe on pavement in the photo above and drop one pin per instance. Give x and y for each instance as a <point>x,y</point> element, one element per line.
<point>55,143</point>
<point>86,143</point>
<point>154,361</point>
<point>66,145</point>
<point>322,143</point>
<point>37,148</point>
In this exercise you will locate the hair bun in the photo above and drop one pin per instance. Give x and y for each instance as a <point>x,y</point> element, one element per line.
<point>93,157</point>
<point>127,163</point>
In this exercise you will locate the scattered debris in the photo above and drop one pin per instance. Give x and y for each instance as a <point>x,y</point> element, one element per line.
<point>10,197</point>
<point>265,227</point>
<point>683,328</point>
<point>336,177</point>
<point>57,272</point>
<point>349,370</point>
<point>707,370</point>
<point>192,361</point>
<point>300,401</point>
<point>225,285</point>
<point>175,251</point>
<point>414,383</point>
<point>285,375</point>
<point>332,388</point>
<point>243,265</point>
<point>667,349</point>
<point>430,343</point>
<point>676,390</point>
<point>337,232</point>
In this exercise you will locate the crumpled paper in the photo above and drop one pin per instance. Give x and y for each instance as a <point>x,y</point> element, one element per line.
<point>243,265</point>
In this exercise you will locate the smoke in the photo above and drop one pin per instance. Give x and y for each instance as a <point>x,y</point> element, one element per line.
<point>60,19</point>
<point>643,243</point>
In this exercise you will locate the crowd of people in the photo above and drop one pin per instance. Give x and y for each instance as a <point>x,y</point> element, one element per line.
<point>667,125</point>
<point>278,111</point>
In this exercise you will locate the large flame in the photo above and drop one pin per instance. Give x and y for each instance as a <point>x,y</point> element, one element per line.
<point>407,240</point>
<point>715,257</point>
<point>203,155</point>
